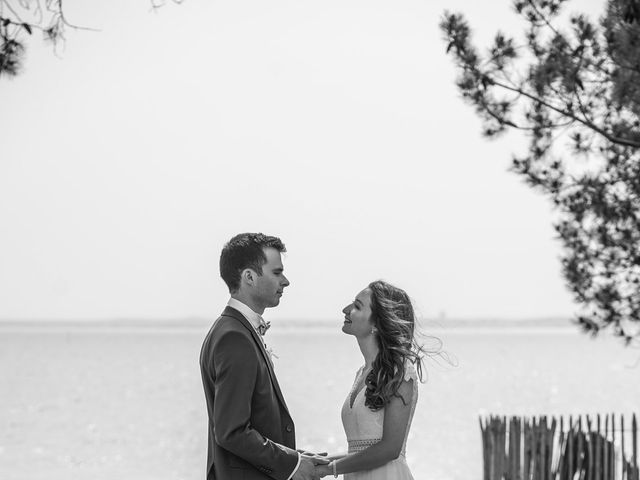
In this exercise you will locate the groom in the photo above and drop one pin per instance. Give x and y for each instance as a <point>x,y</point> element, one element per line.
<point>251,434</point>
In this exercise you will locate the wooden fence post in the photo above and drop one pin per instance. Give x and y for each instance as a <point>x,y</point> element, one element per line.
<point>605,449</point>
<point>511,456</point>
<point>598,448</point>
<point>525,448</point>
<point>612,449</point>
<point>590,451</point>
<point>634,446</point>
<point>624,457</point>
<point>570,439</point>
<point>492,449</point>
<point>561,451</point>
<point>550,449</point>
<point>580,457</point>
<point>543,448</point>
<point>485,450</point>
<point>517,445</point>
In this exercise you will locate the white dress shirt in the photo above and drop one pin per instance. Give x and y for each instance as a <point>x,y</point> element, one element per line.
<point>255,319</point>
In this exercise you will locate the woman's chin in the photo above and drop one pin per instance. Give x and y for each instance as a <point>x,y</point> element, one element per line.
<point>345,328</point>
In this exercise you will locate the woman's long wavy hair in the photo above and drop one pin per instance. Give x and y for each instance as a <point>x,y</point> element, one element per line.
<point>394,318</point>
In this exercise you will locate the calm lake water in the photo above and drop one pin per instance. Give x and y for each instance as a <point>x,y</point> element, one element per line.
<point>127,403</point>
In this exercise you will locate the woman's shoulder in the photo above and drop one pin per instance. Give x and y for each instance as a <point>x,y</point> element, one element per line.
<point>410,372</point>
<point>359,372</point>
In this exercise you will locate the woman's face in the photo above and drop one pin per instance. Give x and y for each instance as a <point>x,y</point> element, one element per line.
<point>357,315</point>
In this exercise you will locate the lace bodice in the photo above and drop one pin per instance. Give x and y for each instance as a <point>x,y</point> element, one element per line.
<point>363,426</point>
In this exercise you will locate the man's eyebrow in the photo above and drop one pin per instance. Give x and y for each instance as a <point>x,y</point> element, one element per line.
<point>278,269</point>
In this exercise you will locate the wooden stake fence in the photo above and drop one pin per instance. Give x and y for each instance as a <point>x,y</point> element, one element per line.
<point>543,449</point>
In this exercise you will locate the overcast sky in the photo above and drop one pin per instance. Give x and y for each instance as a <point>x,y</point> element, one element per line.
<point>129,159</point>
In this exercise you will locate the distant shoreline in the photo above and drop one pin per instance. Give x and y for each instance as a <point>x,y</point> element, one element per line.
<point>425,324</point>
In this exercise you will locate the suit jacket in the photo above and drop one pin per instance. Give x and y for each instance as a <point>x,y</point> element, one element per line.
<point>251,434</point>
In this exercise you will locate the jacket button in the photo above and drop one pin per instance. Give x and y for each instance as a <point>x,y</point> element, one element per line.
<point>289,428</point>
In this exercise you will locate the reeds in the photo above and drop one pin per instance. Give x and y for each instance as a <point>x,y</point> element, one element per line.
<point>550,448</point>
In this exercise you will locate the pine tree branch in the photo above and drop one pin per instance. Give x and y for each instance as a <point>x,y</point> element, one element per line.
<point>584,121</point>
<point>544,18</point>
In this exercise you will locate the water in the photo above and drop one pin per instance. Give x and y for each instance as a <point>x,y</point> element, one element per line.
<point>127,403</point>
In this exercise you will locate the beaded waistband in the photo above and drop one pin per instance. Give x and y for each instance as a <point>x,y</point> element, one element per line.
<point>359,445</point>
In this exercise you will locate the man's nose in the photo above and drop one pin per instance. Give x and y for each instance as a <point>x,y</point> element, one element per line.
<point>346,309</point>
<point>286,282</point>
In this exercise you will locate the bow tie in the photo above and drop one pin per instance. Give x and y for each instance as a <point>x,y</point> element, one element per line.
<point>263,327</point>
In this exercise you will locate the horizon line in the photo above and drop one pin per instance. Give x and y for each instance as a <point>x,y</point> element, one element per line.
<point>197,320</point>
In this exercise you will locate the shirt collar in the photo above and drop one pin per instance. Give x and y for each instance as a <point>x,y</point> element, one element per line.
<point>254,318</point>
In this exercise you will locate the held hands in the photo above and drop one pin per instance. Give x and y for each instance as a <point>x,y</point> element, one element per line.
<point>309,462</point>
<point>324,470</point>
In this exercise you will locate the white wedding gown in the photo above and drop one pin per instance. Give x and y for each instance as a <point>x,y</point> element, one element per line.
<point>364,428</point>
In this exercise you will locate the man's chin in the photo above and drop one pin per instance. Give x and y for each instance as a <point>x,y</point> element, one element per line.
<point>275,303</point>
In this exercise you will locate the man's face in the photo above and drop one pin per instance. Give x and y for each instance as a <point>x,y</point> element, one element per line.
<point>270,285</point>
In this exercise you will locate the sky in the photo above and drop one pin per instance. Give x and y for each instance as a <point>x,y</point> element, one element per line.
<point>132,155</point>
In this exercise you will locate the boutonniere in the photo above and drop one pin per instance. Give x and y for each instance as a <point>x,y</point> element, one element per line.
<point>271,353</point>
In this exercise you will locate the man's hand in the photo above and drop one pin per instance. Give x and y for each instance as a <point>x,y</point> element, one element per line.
<point>318,457</point>
<point>307,468</point>
<point>311,454</point>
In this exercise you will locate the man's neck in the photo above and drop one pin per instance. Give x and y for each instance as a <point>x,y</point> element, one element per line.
<point>248,301</point>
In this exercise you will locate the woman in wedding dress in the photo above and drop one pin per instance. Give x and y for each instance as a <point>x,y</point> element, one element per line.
<point>377,413</point>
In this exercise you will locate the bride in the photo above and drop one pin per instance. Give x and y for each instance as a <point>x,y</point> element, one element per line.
<point>377,413</point>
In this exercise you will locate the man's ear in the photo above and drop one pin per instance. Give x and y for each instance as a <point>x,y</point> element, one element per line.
<point>248,276</point>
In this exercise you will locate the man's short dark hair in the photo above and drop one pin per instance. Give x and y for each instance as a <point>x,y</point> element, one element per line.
<point>245,250</point>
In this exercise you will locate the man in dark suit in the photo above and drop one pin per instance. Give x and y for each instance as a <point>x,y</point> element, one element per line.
<point>251,434</point>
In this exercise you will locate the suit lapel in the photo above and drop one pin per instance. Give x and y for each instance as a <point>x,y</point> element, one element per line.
<point>232,312</point>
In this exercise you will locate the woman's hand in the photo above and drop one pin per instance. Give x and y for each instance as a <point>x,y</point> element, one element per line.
<point>324,470</point>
